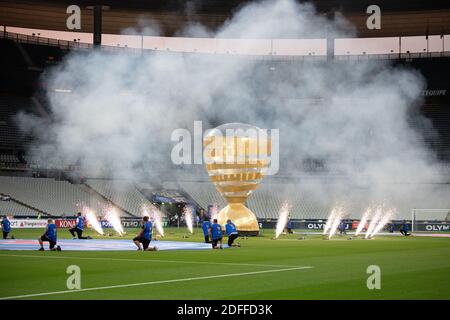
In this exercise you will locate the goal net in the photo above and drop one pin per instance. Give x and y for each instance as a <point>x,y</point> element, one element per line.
<point>430,220</point>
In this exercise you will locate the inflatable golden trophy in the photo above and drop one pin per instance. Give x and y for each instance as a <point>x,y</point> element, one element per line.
<point>236,157</point>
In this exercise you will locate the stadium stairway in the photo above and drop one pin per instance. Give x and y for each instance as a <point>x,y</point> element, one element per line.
<point>122,193</point>
<point>94,193</point>
<point>14,207</point>
<point>48,196</point>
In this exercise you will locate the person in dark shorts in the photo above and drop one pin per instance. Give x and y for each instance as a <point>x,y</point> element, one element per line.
<point>404,229</point>
<point>49,236</point>
<point>79,227</point>
<point>206,225</point>
<point>145,236</point>
<point>232,234</point>
<point>289,226</point>
<point>6,227</point>
<point>342,227</point>
<point>216,235</point>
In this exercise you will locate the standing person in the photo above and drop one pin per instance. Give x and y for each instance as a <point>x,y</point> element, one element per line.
<point>342,227</point>
<point>6,227</point>
<point>79,227</point>
<point>232,234</point>
<point>216,235</point>
<point>202,214</point>
<point>404,229</point>
<point>50,236</point>
<point>145,236</point>
<point>206,225</point>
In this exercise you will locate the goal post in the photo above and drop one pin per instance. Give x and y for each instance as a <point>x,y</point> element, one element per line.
<point>430,220</point>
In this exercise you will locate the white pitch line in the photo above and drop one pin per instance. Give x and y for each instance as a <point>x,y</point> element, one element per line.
<point>152,260</point>
<point>153,282</point>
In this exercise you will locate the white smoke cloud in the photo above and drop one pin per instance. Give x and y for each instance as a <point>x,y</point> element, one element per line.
<point>123,107</point>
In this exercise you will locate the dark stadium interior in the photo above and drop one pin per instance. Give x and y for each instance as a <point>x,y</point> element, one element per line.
<point>25,60</point>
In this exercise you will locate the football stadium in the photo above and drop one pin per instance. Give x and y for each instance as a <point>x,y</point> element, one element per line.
<point>225,150</point>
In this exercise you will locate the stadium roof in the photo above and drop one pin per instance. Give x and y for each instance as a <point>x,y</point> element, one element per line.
<point>399,17</point>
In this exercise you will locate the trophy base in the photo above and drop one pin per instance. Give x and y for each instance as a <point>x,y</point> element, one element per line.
<point>244,219</point>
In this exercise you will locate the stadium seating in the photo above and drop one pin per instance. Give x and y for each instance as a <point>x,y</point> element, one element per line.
<point>11,52</point>
<point>12,208</point>
<point>123,193</point>
<point>440,118</point>
<point>48,195</point>
<point>11,137</point>
<point>265,202</point>
<point>204,193</point>
<point>310,200</point>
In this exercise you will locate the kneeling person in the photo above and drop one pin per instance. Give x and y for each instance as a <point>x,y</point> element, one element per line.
<point>404,229</point>
<point>79,227</point>
<point>145,236</point>
<point>50,236</point>
<point>216,235</point>
<point>232,234</point>
<point>6,227</point>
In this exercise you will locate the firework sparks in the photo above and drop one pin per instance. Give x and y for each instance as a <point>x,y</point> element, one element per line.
<point>91,218</point>
<point>113,218</point>
<point>156,216</point>
<point>383,221</point>
<point>363,221</point>
<point>282,218</point>
<point>374,221</point>
<point>188,217</point>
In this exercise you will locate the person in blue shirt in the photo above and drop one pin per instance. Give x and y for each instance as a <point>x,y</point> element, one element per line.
<point>232,234</point>
<point>145,236</point>
<point>342,227</point>
<point>6,227</point>
<point>289,226</point>
<point>404,229</point>
<point>391,227</point>
<point>216,235</point>
<point>206,225</point>
<point>49,235</point>
<point>79,227</point>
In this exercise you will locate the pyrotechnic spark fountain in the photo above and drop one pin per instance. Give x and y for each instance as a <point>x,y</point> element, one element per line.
<point>382,222</point>
<point>113,218</point>
<point>363,221</point>
<point>282,218</point>
<point>214,212</point>
<point>339,213</point>
<point>91,218</point>
<point>188,217</point>
<point>329,221</point>
<point>373,222</point>
<point>157,218</point>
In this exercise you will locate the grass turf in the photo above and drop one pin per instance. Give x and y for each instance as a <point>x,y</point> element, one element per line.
<point>411,268</point>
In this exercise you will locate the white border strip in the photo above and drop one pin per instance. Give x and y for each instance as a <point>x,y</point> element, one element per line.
<point>152,282</point>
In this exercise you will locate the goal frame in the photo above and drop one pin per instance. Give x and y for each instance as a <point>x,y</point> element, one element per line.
<point>414,212</point>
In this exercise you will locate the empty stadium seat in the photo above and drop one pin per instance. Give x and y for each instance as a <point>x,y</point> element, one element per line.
<point>48,195</point>
<point>122,193</point>
<point>12,208</point>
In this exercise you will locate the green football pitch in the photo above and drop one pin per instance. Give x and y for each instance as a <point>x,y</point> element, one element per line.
<point>287,268</point>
